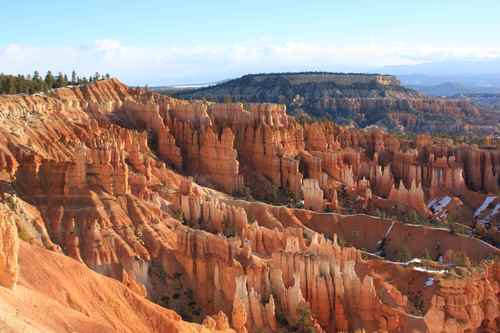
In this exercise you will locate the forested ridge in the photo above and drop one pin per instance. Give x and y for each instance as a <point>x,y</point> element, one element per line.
<point>34,83</point>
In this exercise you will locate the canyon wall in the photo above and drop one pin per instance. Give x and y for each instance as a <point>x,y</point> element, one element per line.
<point>159,194</point>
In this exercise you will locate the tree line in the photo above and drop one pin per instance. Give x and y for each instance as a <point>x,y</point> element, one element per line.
<point>34,83</point>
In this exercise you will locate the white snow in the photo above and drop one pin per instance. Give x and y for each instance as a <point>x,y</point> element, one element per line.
<point>431,203</point>
<point>489,218</point>
<point>429,282</point>
<point>496,210</point>
<point>426,270</point>
<point>483,206</point>
<point>414,261</point>
<point>438,205</point>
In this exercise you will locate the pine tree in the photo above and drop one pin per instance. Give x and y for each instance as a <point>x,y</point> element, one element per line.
<point>59,80</point>
<point>19,84</point>
<point>108,76</point>
<point>11,85</point>
<point>74,79</point>
<point>36,76</point>
<point>49,80</point>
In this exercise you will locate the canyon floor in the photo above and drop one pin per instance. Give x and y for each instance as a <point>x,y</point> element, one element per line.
<point>123,210</point>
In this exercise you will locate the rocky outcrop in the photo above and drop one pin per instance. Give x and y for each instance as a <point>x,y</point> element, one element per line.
<point>79,299</point>
<point>112,177</point>
<point>465,304</point>
<point>9,248</point>
<point>412,197</point>
<point>313,195</point>
<point>219,160</point>
<point>361,98</point>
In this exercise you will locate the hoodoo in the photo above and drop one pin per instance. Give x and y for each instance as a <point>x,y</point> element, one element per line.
<point>124,210</point>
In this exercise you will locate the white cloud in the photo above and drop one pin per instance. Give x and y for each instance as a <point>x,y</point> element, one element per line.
<point>107,44</point>
<point>169,64</point>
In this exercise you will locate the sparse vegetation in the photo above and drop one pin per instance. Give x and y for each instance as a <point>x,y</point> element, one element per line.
<point>304,322</point>
<point>229,229</point>
<point>178,215</point>
<point>23,234</point>
<point>175,293</point>
<point>403,254</point>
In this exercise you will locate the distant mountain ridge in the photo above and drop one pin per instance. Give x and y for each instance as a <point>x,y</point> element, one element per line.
<point>450,89</point>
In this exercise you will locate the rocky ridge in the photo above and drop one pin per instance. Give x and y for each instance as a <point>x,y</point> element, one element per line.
<point>99,173</point>
<point>361,99</point>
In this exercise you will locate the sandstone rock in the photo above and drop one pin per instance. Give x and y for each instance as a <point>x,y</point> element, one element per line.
<point>9,248</point>
<point>313,195</point>
<point>95,167</point>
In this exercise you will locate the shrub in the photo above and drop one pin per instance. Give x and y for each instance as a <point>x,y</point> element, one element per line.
<point>304,323</point>
<point>229,229</point>
<point>427,255</point>
<point>414,218</point>
<point>178,215</point>
<point>403,254</point>
<point>23,234</point>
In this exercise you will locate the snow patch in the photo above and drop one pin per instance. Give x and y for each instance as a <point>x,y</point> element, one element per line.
<point>496,210</point>
<point>414,261</point>
<point>426,270</point>
<point>483,206</point>
<point>438,205</point>
<point>429,282</point>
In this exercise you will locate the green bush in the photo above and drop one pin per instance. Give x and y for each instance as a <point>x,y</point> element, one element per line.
<point>304,323</point>
<point>403,254</point>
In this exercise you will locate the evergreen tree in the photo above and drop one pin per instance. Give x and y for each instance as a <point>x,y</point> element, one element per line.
<point>11,85</point>
<point>59,80</point>
<point>34,83</point>
<point>36,76</point>
<point>49,80</point>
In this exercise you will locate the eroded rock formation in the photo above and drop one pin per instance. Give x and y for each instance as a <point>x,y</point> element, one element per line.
<point>138,187</point>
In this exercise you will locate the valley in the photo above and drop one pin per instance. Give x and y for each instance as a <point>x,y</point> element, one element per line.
<point>124,210</point>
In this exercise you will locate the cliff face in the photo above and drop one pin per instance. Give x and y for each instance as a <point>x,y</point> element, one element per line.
<point>99,173</point>
<point>58,294</point>
<point>363,99</point>
<point>9,268</point>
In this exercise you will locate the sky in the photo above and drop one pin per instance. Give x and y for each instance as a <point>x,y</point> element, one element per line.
<point>176,42</point>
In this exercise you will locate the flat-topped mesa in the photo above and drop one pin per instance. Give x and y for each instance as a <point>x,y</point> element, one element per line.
<point>341,79</point>
<point>365,99</point>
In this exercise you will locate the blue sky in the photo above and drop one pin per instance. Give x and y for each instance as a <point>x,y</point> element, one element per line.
<point>159,42</point>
